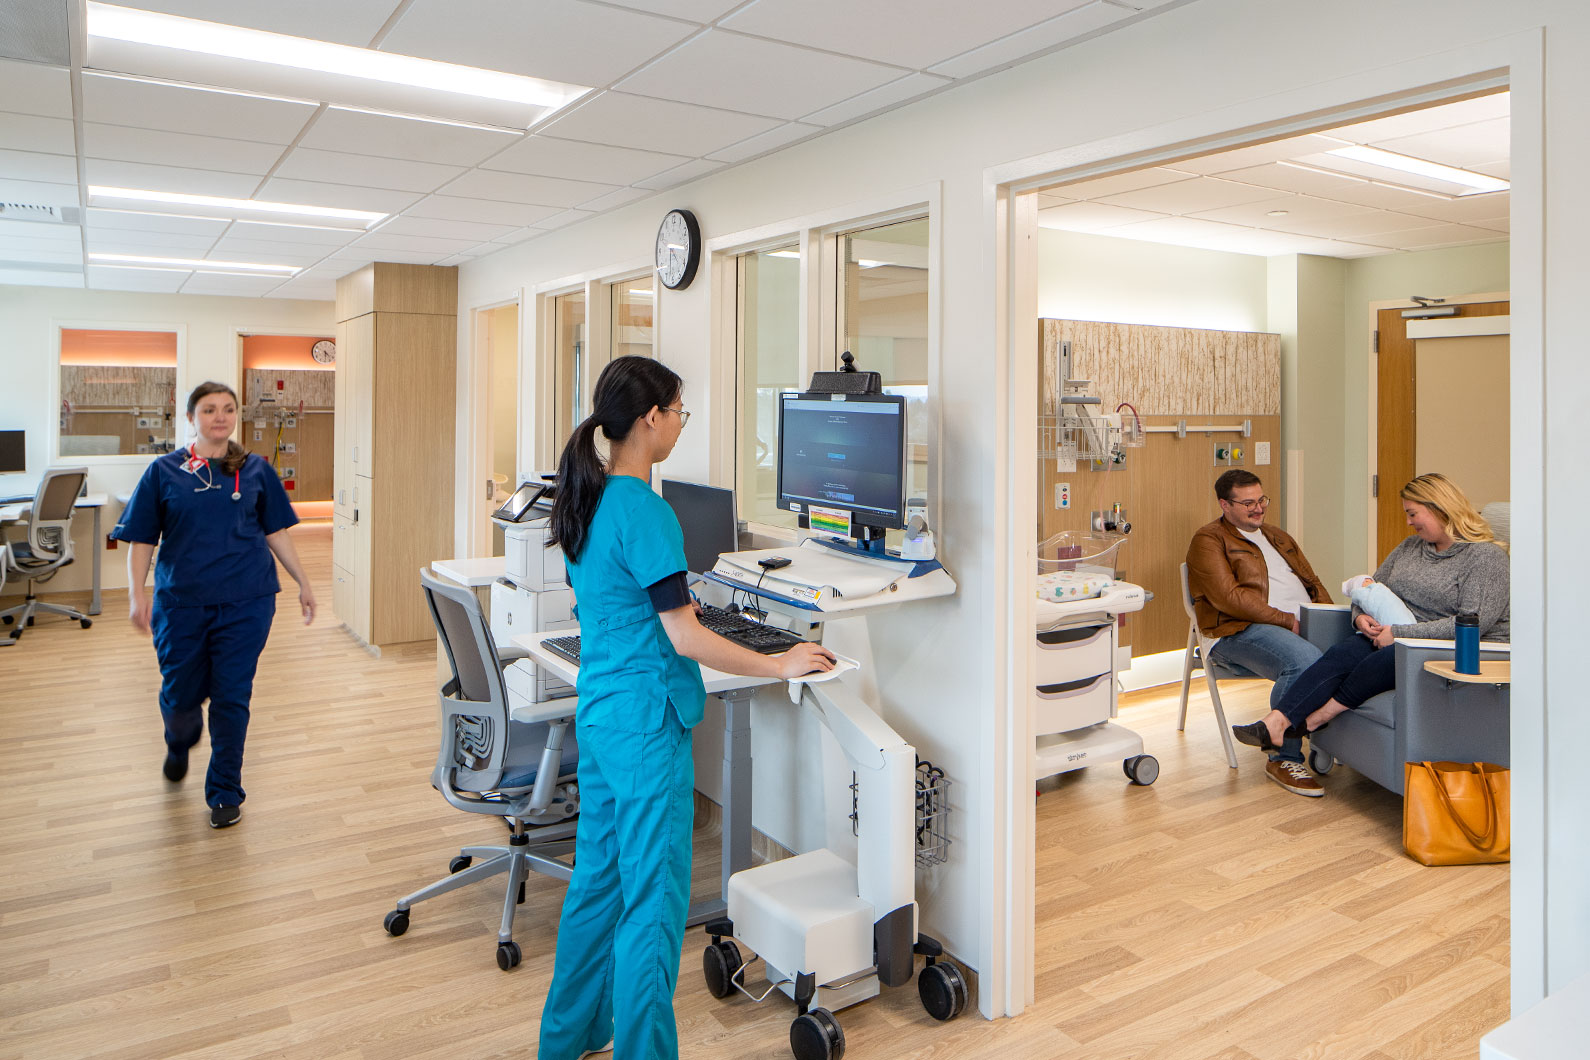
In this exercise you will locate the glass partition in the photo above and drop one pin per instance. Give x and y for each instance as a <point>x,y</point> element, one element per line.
<point>632,318</point>
<point>118,393</point>
<point>768,339</point>
<point>569,384</point>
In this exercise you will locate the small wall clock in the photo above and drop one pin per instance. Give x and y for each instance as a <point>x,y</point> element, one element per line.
<point>678,249</point>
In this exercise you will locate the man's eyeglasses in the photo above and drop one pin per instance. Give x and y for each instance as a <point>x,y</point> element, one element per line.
<point>1262,502</point>
<point>684,417</point>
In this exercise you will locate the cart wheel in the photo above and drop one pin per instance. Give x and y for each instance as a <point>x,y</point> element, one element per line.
<point>85,622</point>
<point>460,863</point>
<point>942,989</point>
<point>816,1036</point>
<point>396,922</point>
<point>1142,769</point>
<point>1319,761</point>
<point>508,955</point>
<point>719,962</point>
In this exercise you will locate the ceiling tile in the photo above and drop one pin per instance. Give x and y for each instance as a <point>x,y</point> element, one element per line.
<point>38,192</point>
<point>1464,146</point>
<point>515,187</point>
<point>615,199</point>
<point>160,244</point>
<point>1099,187</point>
<point>889,95</point>
<point>1298,207</point>
<point>186,179</point>
<point>1357,226</point>
<point>563,40</point>
<point>263,253</point>
<point>131,220</point>
<point>382,241</point>
<point>338,196</point>
<point>1091,216</point>
<point>365,170</point>
<point>349,260</point>
<point>1433,236</point>
<point>228,285</point>
<point>1498,224</point>
<point>1045,35</point>
<point>767,77</point>
<point>389,136</point>
<point>1465,210</point>
<point>35,165</point>
<point>935,30</point>
<point>29,132</point>
<point>39,231</point>
<point>574,159</point>
<point>122,143</point>
<point>145,105</point>
<point>41,277</point>
<point>1503,169</point>
<point>430,226</point>
<point>344,23</point>
<point>1282,177</point>
<point>33,88</point>
<point>1189,196</point>
<point>307,290</point>
<point>1481,108</point>
<point>17,251</point>
<point>1047,199</point>
<point>1210,235</point>
<point>304,235</point>
<point>485,211</point>
<point>765,142</point>
<point>559,220</point>
<point>693,10</point>
<point>657,125</point>
<point>1259,154</point>
<point>680,174</point>
<point>160,281</point>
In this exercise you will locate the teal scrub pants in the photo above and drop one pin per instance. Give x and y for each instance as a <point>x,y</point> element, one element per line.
<point>624,915</point>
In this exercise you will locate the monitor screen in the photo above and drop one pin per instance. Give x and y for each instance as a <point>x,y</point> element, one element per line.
<point>847,455</point>
<point>523,504</point>
<point>706,515</point>
<point>13,452</point>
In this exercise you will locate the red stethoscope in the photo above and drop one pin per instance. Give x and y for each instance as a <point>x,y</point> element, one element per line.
<point>195,461</point>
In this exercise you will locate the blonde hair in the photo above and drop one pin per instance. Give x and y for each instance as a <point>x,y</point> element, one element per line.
<point>1456,512</point>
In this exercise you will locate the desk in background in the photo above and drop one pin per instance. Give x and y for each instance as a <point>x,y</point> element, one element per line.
<point>12,513</point>
<point>735,691</point>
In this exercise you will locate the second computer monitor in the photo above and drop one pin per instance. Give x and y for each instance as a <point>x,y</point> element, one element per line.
<point>706,515</point>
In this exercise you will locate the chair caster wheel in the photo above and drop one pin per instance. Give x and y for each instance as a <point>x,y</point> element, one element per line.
<point>942,989</point>
<point>508,955</point>
<point>7,619</point>
<point>1141,769</point>
<point>396,922</point>
<point>719,962</point>
<point>816,1036</point>
<point>1320,762</point>
<point>85,622</point>
<point>460,863</point>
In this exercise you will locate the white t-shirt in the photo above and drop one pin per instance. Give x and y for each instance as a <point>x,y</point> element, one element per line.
<point>1287,592</point>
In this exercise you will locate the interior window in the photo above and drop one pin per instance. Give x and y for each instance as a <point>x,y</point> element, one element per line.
<point>118,393</point>
<point>768,341</point>
<point>569,385</point>
<point>632,318</point>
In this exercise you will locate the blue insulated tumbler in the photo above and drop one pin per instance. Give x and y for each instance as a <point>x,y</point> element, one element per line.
<point>1466,658</point>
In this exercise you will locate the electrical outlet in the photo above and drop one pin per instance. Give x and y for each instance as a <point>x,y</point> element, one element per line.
<point>290,447</point>
<point>1062,495</point>
<point>292,421</point>
<point>1261,452</point>
<point>289,472</point>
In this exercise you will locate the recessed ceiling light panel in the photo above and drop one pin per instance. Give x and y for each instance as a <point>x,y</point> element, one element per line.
<point>201,264</point>
<point>217,206</point>
<point>1401,167</point>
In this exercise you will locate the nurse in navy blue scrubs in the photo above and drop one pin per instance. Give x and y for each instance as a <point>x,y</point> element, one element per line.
<point>218,515</point>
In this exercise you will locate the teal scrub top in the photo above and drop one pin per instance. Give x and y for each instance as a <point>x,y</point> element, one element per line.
<point>629,670</point>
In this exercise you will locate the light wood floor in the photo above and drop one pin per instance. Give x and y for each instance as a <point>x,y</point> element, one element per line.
<point>1212,916</point>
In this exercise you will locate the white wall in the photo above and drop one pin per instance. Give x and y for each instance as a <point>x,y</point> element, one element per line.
<point>1208,67</point>
<point>28,320</point>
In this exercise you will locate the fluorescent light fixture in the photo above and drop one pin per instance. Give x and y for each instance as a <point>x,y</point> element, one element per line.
<point>301,53</point>
<point>783,253</point>
<point>1374,156</point>
<point>98,191</point>
<point>421,117</point>
<point>201,264</point>
<point>640,292</point>
<point>1339,175</point>
<point>189,86</point>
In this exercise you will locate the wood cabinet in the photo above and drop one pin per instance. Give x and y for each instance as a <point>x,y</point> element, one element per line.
<point>397,332</point>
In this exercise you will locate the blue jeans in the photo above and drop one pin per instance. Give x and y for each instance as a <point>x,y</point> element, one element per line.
<point>1352,672</point>
<point>1276,653</point>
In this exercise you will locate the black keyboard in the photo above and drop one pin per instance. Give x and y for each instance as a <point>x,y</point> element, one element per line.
<point>568,647</point>
<point>768,640</point>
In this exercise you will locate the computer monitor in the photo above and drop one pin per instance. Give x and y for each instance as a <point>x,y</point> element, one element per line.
<point>841,461</point>
<point>706,515</point>
<point>13,452</point>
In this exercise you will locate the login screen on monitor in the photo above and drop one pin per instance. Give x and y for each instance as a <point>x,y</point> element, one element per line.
<point>844,454</point>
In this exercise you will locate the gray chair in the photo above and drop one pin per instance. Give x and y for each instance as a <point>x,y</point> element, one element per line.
<point>1197,658</point>
<point>1426,718</point>
<point>45,546</point>
<point>520,768</point>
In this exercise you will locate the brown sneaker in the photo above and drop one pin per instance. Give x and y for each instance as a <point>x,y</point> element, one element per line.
<point>1294,777</point>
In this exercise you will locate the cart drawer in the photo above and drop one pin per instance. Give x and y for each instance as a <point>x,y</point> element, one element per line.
<point>1072,704</point>
<point>1072,654</point>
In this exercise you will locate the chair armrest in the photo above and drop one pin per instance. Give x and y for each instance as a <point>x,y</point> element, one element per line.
<point>551,710</point>
<point>511,654</point>
<point>1324,625</point>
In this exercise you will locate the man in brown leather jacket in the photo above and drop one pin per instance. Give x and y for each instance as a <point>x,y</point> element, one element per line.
<point>1248,582</point>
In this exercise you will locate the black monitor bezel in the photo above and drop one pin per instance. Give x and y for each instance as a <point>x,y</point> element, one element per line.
<point>734,511</point>
<point>893,521</point>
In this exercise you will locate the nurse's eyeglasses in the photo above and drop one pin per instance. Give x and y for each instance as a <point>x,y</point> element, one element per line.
<point>684,417</point>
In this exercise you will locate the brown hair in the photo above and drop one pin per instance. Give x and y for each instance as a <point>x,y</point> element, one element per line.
<point>235,454</point>
<point>1450,505</point>
<point>1234,480</point>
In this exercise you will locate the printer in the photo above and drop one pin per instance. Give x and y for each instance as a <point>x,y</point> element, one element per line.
<point>533,596</point>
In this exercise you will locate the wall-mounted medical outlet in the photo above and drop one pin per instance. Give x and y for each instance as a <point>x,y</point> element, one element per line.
<point>1261,452</point>
<point>1062,495</point>
<point>290,447</point>
<point>292,421</point>
<point>289,472</point>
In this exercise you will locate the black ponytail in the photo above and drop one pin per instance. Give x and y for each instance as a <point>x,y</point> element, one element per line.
<point>627,389</point>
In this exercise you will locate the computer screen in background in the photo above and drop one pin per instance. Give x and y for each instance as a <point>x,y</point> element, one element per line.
<point>13,452</point>
<point>706,515</point>
<point>846,454</point>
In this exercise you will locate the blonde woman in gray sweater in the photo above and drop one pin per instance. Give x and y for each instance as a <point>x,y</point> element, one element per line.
<point>1452,565</point>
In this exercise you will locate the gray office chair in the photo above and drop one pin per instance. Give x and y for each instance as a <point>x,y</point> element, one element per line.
<point>45,547</point>
<point>1197,658</point>
<point>519,768</point>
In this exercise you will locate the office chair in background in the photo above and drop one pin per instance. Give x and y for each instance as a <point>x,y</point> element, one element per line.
<point>46,546</point>
<point>521,769</point>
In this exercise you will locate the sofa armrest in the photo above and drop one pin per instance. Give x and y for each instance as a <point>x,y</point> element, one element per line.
<point>1440,720</point>
<point>1324,625</point>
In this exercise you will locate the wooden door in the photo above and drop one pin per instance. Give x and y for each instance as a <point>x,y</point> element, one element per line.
<point>1397,418</point>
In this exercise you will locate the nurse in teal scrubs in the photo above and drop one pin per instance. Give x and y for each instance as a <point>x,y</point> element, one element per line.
<point>639,695</point>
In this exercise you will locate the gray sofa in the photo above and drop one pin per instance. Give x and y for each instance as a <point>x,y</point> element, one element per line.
<point>1425,718</point>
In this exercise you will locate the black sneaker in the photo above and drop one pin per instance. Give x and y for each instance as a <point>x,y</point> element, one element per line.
<point>225,816</point>
<point>175,766</point>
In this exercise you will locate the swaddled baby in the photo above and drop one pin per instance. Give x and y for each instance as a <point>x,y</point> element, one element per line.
<point>1377,601</point>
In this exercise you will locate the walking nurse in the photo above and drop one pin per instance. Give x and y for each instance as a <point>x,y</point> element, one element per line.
<point>218,515</point>
<point>639,695</point>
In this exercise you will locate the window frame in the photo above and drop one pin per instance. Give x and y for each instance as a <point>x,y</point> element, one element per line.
<point>179,390</point>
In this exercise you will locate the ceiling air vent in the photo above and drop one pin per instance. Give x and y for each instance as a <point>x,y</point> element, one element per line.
<point>22,211</point>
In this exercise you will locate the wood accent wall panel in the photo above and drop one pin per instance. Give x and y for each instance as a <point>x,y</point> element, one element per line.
<point>317,390</point>
<point>312,460</point>
<point>1166,487</point>
<point>99,386</point>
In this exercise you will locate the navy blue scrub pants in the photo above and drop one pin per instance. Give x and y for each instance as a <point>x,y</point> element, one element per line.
<point>1352,672</point>
<point>211,653</point>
